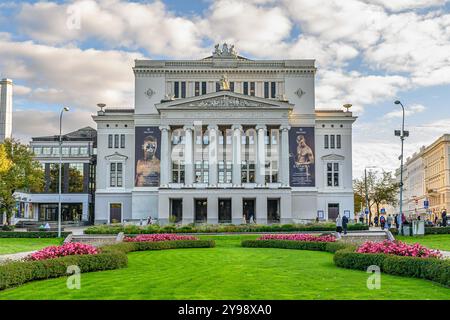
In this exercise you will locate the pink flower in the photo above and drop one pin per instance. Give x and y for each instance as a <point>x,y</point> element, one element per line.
<point>158,237</point>
<point>299,237</point>
<point>398,248</point>
<point>66,249</point>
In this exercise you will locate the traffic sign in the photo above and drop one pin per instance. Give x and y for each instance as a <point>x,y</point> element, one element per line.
<point>426,204</point>
<point>383,210</point>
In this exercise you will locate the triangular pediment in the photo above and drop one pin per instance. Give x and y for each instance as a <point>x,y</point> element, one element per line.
<point>223,100</point>
<point>116,157</point>
<point>333,157</point>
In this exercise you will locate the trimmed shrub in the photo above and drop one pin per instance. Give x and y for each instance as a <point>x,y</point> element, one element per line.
<point>7,227</point>
<point>16,273</point>
<point>32,234</point>
<point>158,245</point>
<point>332,247</point>
<point>348,258</point>
<point>437,230</point>
<point>285,244</point>
<point>115,228</point>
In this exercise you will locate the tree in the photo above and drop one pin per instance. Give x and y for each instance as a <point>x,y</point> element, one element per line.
<point>23,173</point>
<point>381,190</point>
<point>5,163</point>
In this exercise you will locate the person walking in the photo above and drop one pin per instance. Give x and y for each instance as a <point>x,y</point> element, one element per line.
<point>382,222</point>
<point>344,223</point>
<point>339,225</point>
<point>389,221</point>
<point>375,220</point>
<point>396,221</point>
<point>444,218</point>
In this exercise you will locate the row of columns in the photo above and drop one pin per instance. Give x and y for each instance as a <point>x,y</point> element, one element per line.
<point>166,161</point>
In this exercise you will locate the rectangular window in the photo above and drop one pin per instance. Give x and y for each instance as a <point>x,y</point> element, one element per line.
<point>84,151</point>
<point>65,151</point>
<point>266,90</point>
<point>178,171</point>
<point>116,141</point>
<point>197,88</point>
<point>217,86</point>
<point>119,175</point>
<point>176,89</point>
<point>245,88</point>
<point>232,86</point>
<point>37,150</point>
<point>338,141</point>
<point>122,141</point>
<point>332,145</point>
<point>252,88</point>
<point>112,174</point>
<point>116,174</point>
<point>204,87</point>
<point>333,174</point>
<point>55,151</point>
<point>110,141</point>
<point>183,89</point>
<point>273,89</point>
<point>74,151</point>
<point>47,150</point>
<point>326,142</point>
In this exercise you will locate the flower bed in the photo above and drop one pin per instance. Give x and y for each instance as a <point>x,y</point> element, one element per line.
<point>299,237</point>
<point>159,237</point>
<point>67,249</point>
<point>398,248</point>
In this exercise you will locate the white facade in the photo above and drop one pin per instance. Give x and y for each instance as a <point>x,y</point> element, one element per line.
<point>6,91</point>
<point>294,163</point>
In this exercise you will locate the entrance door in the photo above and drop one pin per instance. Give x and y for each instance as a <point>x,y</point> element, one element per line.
<point>224,210</point>
<point>333,211</point>
<point>273,210</point>
<point>248,206</point>
<point>115,212</point>
<point>201,210</point>
<point>176,210</point>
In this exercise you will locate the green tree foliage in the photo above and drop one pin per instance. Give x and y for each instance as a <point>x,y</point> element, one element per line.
<point>24,174</point>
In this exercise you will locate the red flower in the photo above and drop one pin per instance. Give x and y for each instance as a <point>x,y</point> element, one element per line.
<point>66,249</point>
<point>299,237</point>
<point>158,237</point>
<point>398,248</point>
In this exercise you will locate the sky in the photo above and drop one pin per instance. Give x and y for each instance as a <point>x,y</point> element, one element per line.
<point>368,53</point>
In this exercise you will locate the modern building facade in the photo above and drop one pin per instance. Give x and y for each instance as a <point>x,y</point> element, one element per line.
<point>222,140</point>
<point>6,93</point>
<point>78,179</point>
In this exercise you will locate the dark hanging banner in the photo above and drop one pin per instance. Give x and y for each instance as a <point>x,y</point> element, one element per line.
<point>147,156</point>
<point>302,157</point>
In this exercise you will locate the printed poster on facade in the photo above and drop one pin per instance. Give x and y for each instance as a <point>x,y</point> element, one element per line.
<point>302,157</point>
<point>147,155</point>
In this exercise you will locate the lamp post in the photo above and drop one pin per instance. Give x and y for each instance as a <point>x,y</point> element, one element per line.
<point>402,134</point>
<point>60,165</point>
<point>367,190</point>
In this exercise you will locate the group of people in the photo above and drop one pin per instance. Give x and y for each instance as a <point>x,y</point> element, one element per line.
<point>341,224</point>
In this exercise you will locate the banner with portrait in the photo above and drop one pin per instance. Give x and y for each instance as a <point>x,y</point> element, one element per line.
<point>302,157</point>
<point>147,156</point>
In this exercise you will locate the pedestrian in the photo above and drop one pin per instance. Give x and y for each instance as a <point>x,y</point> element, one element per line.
<point>361,219</point>
<point>344,223</point>
<point>396,221</point>
<point>382,222</point>
<point>444,218</point>
<point>339,225</point>
<point>375,220</point>
<point>389,221</point>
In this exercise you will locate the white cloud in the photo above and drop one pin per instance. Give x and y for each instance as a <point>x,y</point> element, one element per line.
<point>409,111</point>
<point>398,5</point>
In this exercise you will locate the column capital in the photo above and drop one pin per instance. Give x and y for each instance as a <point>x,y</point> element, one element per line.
<point>236,127</point>
<point>163,127</point>
<point>260,127</point>
<point>213,127</point>
<point>285,128</point>
<point>188,127</point>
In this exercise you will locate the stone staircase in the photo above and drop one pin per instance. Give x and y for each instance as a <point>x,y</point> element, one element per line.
<point>363,236</point>
<point>95,240</point>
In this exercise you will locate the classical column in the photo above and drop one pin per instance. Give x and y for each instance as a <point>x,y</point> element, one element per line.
<point>212,154</point>
<point>165,156</point>
<point>261,155</point>
<point>188,156</point>
<point>237,142</point>
<point>284,156</point>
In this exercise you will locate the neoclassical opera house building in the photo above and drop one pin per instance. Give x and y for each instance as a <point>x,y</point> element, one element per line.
<point>224,139</point>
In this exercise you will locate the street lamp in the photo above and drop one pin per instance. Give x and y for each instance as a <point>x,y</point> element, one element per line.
<point>367,190</point>
<point>402,134</point>
<point>60,165</point>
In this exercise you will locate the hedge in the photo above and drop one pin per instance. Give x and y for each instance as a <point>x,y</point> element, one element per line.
<point>437,230</point>
<point>437,270</point>
<point>32,234</point>
<point>111,257</point>
<point>133,229</point>
<point>17,273</point>
<point>297,245</point>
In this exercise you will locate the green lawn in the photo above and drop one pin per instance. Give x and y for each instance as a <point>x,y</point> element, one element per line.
<point>433,241</point>
<point>229,272</point>
<point>14,245</point>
